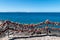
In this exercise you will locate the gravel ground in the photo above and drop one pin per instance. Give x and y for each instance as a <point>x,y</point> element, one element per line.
<point>36,38</point>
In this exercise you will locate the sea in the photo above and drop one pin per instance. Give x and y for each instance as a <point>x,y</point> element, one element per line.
<point>30,17</point>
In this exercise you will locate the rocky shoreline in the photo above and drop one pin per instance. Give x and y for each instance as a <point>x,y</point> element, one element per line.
<point>8,28</point>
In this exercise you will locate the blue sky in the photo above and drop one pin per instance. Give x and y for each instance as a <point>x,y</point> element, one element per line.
<point>29,5</point>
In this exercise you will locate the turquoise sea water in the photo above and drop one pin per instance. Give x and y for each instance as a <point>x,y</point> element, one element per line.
<point>29,17</point>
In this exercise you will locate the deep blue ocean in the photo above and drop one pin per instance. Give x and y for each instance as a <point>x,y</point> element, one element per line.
<point>30,17</point>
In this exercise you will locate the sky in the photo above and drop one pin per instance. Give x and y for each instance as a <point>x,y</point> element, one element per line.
<point>29,5</point>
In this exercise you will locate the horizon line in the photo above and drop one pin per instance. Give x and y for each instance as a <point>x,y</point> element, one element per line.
<point>39,12</point>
